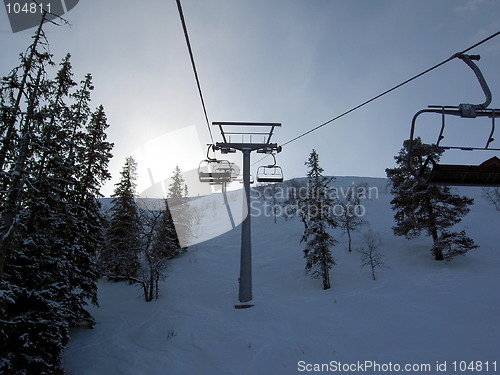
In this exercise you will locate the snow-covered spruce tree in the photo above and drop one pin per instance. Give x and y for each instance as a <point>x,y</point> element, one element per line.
<point>46,281</point>
<point>82,161</point>
<point>177,196</point>
<point>50,275</point>
<point>38,272</point>
<point>166,242</point>
<point>21,92</point>
<point>37,264</point>
<point>92,154</point>
<point>120,256</point>
<point>33,326</point>
<point>349,220</point>
<point>177,190</point>
<point>316,210</point>
<point>429,208</point>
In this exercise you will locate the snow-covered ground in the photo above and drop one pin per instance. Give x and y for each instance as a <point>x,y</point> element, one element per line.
<point>418,312</point>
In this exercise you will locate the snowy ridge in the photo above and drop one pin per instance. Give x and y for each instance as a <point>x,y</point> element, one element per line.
<point>419,311</point>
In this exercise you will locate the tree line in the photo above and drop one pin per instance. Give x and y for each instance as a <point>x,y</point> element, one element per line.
<point>56,241</point>
<point>142,238</point>
<point>54,158</point>
<point>419,208</point>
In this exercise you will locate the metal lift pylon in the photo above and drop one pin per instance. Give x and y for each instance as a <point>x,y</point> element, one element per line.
<point>254,137</point>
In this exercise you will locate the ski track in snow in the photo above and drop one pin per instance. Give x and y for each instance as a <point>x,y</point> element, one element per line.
<point>417,311</point>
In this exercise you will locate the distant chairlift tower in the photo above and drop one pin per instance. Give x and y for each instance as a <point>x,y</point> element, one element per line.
<point>246,137</point>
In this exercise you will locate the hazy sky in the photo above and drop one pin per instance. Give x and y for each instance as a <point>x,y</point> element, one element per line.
<point>298,62</point>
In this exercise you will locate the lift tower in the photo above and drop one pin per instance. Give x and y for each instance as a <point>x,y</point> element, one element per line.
<point>246,137</point>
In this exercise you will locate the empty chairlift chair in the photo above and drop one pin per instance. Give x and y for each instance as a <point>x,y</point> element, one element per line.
<point>215,171</point>
<point>270,173</point>
<point>485,174</point>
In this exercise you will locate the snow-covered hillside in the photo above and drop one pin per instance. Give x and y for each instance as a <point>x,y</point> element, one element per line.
<point>418,312</point>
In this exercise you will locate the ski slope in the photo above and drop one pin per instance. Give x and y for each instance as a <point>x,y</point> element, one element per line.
<point>418,312</point>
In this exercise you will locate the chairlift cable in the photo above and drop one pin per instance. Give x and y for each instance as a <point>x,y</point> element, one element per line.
<point>390,90</point>
<point>188,43</point>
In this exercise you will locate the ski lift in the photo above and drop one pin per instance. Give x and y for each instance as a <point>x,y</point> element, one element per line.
<point>485,174</point>
<point>216,172</point>
<point>270,173</point>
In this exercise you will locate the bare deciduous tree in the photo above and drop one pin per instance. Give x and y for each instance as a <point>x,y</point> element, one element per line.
<point>492,195</point>
<point>152,263</point>
<point>370,256</point>
<point>349,221</point>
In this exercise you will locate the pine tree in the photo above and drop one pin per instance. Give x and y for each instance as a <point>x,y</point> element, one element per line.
<point>166,242</point>
<point>120,257</point>
<point>38,275</point>
<point>40,263</point>
<point>180,212</point>
<point>32,308</point>
<point>22,92</point>
<point>91,171</point>
<point>49,211</point>
<point>427,208</point>
<point>177,190</point>
<point>317,215</point>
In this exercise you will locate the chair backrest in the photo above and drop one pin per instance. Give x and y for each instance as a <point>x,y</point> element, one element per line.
<point>270,173</point>
<point>464,175</point>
